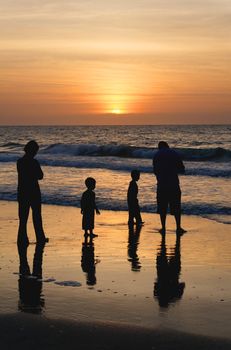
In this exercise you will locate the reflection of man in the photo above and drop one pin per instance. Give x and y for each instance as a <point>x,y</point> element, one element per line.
<point>30,285</point>
<point>166,166</point>
<point>167,288</point>
<point>29,195</point>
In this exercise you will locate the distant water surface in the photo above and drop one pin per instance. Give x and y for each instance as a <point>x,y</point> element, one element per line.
<point>68,154</point>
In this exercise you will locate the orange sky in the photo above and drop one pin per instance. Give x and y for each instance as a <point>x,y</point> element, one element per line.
<point>122,62</point>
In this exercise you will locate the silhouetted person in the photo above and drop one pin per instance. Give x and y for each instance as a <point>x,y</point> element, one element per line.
<point>133,203</point>
<point>88,207</point>
<point>133,242</point>
<point>29,195</point>
<point>167,164</point>
<point>167,288</point>
<point>88,261</point>
<point>30,285</point>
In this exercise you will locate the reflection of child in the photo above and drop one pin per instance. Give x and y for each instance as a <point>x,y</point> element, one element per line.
<point>88,207</point>
<point>133,204</point>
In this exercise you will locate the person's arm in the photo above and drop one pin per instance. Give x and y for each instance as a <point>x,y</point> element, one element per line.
<point>82,203</point>
<point>155,165</point>
<point>96,208</point>
<point>38,171</point>
<point>180,165</point>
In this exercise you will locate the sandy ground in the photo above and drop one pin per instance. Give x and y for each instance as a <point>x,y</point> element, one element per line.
<point>124,289</point>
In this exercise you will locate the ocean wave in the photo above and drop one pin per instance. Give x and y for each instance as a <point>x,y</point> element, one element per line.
<point>125,151</point>
<point>55,150</point>
<point>11,145</point>
<point>211,169</point>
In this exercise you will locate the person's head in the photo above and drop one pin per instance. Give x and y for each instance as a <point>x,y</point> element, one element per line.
<point>135,175</point>
<point>90,183</point>
<point>31,148</point>
<point>163,144</point>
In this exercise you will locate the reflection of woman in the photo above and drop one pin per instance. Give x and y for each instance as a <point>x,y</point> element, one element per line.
<point>167,288</point>
<point>30,285</point>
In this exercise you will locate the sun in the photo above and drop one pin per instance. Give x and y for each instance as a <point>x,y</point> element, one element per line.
<point>116,111</point>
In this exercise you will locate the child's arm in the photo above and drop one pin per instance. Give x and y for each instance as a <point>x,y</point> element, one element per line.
<point>97,211</point>
<point>96,208</point>
<point>82,201</point>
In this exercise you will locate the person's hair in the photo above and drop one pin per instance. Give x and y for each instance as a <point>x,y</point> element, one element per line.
<point>163,144</point>
<point>31,147</point>
<point>135,173</point>
<point>90,182</point>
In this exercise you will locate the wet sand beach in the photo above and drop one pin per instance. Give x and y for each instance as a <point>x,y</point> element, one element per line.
<point>123,289</point>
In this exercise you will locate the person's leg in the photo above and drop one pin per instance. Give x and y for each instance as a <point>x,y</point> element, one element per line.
<point>175,209</point>
<point>23,213</point>
<point>162,206</point>
<point>130,217</point>
<point>37,222</point>
<point>138,216</point>
<point>178,220</point>
<point>38,258</point>
<point>163,216</point>
<point>24,268</point>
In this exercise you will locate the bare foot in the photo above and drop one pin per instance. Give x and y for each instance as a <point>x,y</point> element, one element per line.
<point>93,235</point>
<point>162,231</point>
<point>180,231</point>
<point>140,223</point>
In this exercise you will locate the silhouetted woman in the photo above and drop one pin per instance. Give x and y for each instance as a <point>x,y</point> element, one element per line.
<point>29,195</point>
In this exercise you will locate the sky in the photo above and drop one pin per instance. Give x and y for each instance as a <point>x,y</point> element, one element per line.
<point>115,62</point>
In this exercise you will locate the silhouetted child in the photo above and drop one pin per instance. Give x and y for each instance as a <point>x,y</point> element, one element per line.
<point>88,207</point>
<point>133,203</point>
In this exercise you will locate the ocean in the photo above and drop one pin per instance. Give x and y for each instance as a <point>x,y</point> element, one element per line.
<point>69,154</point>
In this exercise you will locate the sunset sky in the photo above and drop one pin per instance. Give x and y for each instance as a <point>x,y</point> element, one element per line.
<point>115,62</point>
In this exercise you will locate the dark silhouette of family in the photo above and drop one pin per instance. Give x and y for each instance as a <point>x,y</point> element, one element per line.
<point>167,164</point>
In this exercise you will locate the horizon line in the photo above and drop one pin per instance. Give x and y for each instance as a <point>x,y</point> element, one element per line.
<point>98,125</point>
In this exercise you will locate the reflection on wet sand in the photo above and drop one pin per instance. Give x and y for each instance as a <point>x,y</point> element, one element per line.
<point>88,261</point>
<point>30,284</point>
<point>133,242</point>
<point>167,288</point>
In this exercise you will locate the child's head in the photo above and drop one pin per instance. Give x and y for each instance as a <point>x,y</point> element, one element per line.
<point>135,175</point>
<point>90,183</point>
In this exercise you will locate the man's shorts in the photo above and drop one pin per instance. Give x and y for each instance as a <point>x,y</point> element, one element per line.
<point>171,198</point>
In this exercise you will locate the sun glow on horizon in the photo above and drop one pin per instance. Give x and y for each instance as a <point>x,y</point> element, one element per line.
<point>116,111</point>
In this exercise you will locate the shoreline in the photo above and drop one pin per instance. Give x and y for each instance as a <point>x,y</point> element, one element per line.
<point>125,212</point>
<point>111,288</point>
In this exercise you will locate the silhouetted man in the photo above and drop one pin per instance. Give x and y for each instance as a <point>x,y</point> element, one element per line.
<point>29,195</point>
<point>167,164</point>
